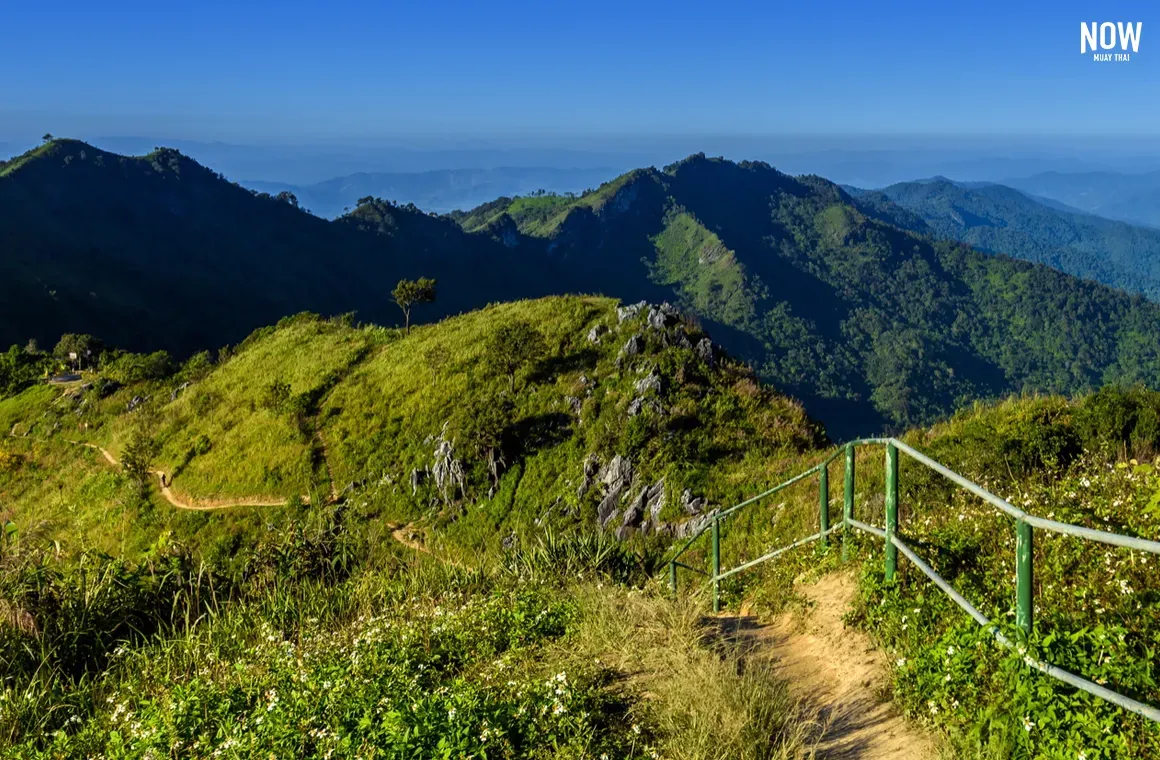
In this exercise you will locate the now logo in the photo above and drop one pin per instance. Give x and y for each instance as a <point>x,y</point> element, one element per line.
<point>1106,36</point>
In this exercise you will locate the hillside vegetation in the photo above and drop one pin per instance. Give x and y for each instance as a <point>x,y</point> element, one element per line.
<point>158,252</point>
<point>465,541</point>
<point>1090,461</point>
<point>636,402</point>
<point>834,299</point>
<point>999,219</point>
<point>546,451</point>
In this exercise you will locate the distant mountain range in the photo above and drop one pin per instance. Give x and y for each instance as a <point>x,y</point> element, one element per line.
<point>1117,195</point>
<point>1001,219</point>
<point>847,303</point>
<point>439,191</point>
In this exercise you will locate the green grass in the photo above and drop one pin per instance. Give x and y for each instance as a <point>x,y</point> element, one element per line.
<point>366,406</point>
<point>1087,461</point>
<point>377,401</point>
<point>705,271</point>
<point>250,450</point>
<point>399,657</point>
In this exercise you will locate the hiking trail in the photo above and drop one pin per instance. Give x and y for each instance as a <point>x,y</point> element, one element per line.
<point>174,501</point>
<point>838,675</point>
<point>399,532</point>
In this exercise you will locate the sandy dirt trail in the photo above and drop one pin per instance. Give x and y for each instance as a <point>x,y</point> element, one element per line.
<point>838,675</point>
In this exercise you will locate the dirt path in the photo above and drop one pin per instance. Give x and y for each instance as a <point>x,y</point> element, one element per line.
<point>839,676</point>
<point>399,532</point>
<point>174,501</point>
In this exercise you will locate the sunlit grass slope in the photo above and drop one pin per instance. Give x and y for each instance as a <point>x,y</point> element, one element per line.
<point>221,439</point>
<point>313,409</point>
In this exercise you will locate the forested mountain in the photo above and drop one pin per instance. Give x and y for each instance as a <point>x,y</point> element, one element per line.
<point>834,299</point>
<point>1117,195</point>
<point>440,191</point>
<point>838,301</point>
<point>160,252</point>
<point>999,219</point>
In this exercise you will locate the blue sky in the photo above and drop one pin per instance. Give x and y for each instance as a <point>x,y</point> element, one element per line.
<point>291,70</point>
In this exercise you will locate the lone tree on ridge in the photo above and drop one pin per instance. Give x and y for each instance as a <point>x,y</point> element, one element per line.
<point>410,292</point>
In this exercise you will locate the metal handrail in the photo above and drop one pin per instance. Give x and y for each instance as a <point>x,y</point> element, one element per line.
<point>1023,564</point>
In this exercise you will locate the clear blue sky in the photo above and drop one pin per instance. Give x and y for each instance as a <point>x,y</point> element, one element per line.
<point>289,70</point>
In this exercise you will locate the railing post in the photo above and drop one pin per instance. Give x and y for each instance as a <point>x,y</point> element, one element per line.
<point>848,501</point>
<point>1024,575</point>
<point>673,577</point>
<point>716,564</point>
<point>824,503</point>
<point>891,509</point>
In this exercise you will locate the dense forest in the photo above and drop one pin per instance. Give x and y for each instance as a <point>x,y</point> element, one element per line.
<point>999,219</point>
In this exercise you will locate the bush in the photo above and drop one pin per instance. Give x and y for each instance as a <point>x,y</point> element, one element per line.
<point>135,368</point>
<point>1120,421</point>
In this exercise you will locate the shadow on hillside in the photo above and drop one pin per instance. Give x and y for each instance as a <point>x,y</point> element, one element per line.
<point>540,431</point>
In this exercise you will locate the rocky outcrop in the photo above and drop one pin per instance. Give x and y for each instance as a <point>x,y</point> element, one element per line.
<point>650,383</point>
<point>706,352</point>
<point>662,317</point>
<point>625,313</point>
<point>418,477</point>
<point>642,512</point>
<point>450,477</point>
<point>616,477</point>
<point>596,333</point>
<point>632,347</point>
<point>692,506</point>
<point>692,527</point>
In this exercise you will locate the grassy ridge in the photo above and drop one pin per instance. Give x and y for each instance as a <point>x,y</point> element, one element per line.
<point>378,404</point>
<point>317,407</point>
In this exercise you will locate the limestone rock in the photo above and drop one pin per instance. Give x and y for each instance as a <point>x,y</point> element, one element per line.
<point>705,352</point>
<point>692,506</point>
<point>596,333</point>
<point>630,311</point>
<point>632,347</point>
<point>649,383</point>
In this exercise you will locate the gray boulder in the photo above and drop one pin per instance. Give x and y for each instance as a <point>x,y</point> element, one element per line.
<point>705,352</point>
<point>632,347</point>
<point>649,383</point>
<point>630,311</point>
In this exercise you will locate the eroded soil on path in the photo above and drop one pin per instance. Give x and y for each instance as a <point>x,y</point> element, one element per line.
<point>838,675</point>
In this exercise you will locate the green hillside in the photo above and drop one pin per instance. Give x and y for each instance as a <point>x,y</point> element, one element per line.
<point>835,299</point>
<point>479,512</point>
<point>999,219</point>
<point>843,303</point>
<point>313,408</point>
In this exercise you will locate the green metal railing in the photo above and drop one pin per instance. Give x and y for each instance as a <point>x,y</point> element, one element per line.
<point>1024,571</point>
